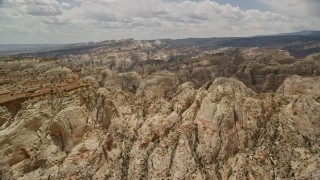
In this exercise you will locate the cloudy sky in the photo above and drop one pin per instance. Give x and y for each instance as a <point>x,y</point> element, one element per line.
<point>68,21</point>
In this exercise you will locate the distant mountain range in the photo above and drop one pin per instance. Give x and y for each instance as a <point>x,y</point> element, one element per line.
<point>299,44</point>
<point>262,40</point>
<point>14,48</point>
<point>302,33</point>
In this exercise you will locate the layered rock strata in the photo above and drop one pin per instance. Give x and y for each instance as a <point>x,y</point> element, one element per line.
<point>165,130</point>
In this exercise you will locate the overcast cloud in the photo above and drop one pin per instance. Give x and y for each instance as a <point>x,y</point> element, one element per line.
<point>66,21</point>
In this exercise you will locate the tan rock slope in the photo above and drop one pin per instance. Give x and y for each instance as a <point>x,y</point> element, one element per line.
<point>155,127</point>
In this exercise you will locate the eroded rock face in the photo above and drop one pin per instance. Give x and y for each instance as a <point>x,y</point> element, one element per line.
<point>162,120</point>
<point>297,86</point>
<point>223,130</point>
<point>68,127</point>
<point>157,85</point>
<point>5,117</point>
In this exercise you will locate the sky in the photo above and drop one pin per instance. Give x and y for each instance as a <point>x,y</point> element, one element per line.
<point>71,21</point>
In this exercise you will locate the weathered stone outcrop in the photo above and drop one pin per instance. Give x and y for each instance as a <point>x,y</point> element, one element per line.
<point>166,128</point>
<point>157,85</point>
<point>5,117</point>
<point>68,127</point>
<point>226,131</point>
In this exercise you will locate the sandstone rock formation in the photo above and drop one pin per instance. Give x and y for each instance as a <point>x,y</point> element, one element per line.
<point>141,110</point>
<point>163,129</point>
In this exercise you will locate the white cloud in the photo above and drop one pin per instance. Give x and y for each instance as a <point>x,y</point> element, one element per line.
<point>93,20</point>
<point>304,13</point>
<point>187,14</point>
<point>65,5</point>
<point>36,7</point>
<point>295,8</point>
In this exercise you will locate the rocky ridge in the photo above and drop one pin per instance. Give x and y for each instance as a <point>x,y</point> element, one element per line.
<point>262,69</point>
<point>156,122</point>
<point>224,132</point>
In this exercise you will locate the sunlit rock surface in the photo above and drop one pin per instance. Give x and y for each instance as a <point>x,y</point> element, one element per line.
<point>62,121</point>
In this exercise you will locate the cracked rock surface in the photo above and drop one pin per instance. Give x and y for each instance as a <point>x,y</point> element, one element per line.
<point>98,123</point>
<point>226,131</point>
